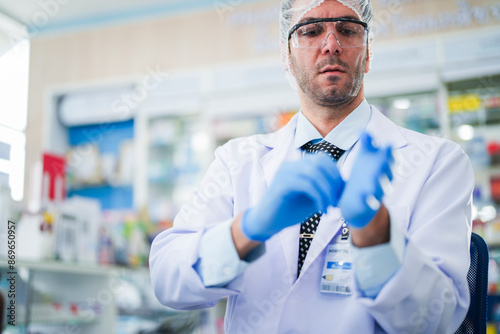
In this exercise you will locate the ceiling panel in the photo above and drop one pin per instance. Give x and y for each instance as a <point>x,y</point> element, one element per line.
<point>42,16</point>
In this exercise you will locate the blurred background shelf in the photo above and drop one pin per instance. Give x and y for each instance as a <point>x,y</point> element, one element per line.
<point>60,267</point>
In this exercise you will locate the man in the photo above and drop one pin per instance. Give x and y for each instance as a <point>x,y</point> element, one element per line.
<point>323,243</point>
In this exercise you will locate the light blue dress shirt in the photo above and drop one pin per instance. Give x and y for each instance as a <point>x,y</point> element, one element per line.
<point>219,263</point>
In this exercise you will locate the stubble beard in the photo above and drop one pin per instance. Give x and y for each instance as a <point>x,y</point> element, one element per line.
<point>333,96</point>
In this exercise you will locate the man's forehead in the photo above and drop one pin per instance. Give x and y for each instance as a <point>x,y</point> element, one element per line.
<point>310,18</point>
<point>322,9</point>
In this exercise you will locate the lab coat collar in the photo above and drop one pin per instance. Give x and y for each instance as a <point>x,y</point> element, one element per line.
<point>276,138</point>
<point>282,149</point>
<point>344,135</point>
<point>384,131</point>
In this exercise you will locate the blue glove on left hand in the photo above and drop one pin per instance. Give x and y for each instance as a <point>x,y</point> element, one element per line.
<point>363,192</point>
<point>299,189</point>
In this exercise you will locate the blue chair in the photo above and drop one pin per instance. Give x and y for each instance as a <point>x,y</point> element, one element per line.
<point>477,277</point>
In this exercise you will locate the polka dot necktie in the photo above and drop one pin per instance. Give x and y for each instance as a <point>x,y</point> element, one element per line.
<point>308,227</point>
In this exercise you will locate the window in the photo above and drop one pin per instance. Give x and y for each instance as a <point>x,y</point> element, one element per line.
<point>14,69</point>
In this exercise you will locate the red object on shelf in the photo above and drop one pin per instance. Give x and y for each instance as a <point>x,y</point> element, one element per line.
<point>54,180</point>
<point>74,308</point>
<point>494,153</point>
<point>493,148</point>
<point>495,188</point>
<point>492,102</point>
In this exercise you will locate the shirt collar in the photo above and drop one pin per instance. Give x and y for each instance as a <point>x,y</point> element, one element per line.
<point>344,135</point>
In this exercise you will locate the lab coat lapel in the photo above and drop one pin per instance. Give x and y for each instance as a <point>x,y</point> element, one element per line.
<point>283,149</point>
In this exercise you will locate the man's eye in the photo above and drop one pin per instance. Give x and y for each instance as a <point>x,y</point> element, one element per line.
<point>311,30</point>
<point>348,30</point>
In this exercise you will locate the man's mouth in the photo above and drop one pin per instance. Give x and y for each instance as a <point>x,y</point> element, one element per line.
<point>332,69</point>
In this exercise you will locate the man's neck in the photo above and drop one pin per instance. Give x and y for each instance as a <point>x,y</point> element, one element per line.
<point>326,118</point>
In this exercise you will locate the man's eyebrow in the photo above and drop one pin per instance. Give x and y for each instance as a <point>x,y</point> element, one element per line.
<point>310,18</point>
<point>306,19</point>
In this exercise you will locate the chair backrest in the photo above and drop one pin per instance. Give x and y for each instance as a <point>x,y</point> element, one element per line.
<point>477,277</point>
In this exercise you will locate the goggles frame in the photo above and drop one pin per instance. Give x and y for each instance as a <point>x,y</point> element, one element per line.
<point>330,19</point>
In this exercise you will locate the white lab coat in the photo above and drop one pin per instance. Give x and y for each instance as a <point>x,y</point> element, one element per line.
<point>431,202</point>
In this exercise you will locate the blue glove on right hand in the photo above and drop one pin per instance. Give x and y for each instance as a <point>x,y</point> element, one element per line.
<point>363,191</point>
<point>299,189</point>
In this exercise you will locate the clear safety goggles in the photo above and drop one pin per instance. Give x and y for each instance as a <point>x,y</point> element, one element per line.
<point>313,34</point>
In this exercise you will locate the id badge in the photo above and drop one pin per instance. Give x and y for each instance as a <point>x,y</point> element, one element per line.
<point>337,276</point>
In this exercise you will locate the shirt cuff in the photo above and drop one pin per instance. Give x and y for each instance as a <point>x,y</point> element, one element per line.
<point>218,260</point>
<point>374,266</point>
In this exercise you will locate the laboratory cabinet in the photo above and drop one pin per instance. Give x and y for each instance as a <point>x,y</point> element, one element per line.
<point>474,107</point>
<point>53,297</point>
<point>467,112</point>
<point>176,153</point>
<point>179,151</point>
<point>56,297</point>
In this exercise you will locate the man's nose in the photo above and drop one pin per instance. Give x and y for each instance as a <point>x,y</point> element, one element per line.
<point>331,43</point>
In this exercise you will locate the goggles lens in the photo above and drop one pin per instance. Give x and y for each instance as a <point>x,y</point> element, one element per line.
<point>313,34</point>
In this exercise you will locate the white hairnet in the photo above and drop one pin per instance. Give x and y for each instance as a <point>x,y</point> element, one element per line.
<point>292,11</point>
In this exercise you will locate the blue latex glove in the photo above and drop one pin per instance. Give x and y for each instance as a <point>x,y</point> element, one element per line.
<point>299,189</point>
<point>364,190</point>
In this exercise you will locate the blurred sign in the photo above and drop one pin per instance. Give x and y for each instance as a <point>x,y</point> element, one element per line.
<point>402,18</point>
<point>464,103</point>
<point>480,45</point>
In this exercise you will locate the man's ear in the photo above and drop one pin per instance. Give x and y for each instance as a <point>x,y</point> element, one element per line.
<point>368,60</point>
<point>286,62</point>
